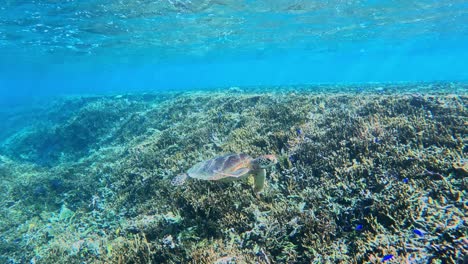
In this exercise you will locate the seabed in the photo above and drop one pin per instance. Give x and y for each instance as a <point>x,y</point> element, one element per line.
<point>366,174</point>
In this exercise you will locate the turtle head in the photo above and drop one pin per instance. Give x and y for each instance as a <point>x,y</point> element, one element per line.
<point>265,161</point>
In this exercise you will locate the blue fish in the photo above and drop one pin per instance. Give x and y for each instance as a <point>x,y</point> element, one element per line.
<point>299,131</point>
<point>359,227</point>
<point>418,232</point>
<point>387,257</point>
<point>405,180</point>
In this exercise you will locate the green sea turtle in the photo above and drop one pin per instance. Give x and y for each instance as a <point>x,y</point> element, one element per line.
<point>229,168</point>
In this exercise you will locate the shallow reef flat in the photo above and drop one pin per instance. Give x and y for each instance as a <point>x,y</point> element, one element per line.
<point>366,174</point>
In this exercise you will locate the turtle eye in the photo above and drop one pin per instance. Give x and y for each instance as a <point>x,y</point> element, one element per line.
<point>271,159</point>
<point>268,160</point>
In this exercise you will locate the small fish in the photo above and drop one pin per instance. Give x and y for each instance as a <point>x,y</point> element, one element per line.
<point>299,131</point>
<point>359,227</point>
<point>405,180</point>
<point>387,257</point>
<point>418,232</point>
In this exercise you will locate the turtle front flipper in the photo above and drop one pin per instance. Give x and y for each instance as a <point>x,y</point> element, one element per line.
<point>259,180</point>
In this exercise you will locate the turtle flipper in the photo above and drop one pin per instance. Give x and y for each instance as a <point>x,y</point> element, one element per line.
<point>259,180</point>
<point>179,179</point>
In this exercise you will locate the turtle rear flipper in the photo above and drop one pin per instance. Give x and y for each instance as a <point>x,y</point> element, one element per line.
<point>179,179</point>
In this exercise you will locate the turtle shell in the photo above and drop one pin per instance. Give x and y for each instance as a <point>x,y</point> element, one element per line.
<point>223,167</point>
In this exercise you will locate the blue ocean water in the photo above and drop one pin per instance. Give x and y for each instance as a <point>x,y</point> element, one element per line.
<point>351,116</point>
<point>72,47</point>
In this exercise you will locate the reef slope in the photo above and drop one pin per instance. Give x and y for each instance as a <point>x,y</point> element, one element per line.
<point>364,173</point>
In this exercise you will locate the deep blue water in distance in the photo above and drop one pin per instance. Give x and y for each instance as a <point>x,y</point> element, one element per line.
<point>74,47</point>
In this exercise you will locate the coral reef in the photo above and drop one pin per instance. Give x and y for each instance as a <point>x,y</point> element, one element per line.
<point>366,174</point>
